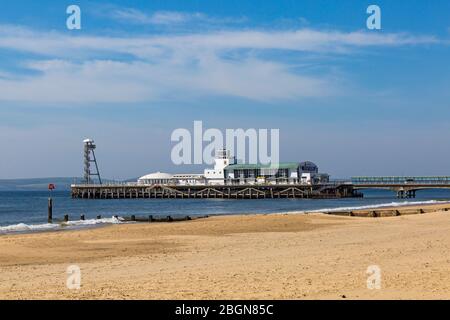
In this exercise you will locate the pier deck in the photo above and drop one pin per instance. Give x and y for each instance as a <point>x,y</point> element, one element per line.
<point>405,187</point>
<point>134,191</point>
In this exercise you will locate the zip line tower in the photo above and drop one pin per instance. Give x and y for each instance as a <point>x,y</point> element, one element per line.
<point>89,158</point>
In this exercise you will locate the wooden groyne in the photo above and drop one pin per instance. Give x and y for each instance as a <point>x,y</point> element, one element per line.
<point>133,218</point>
<point>151,218</point>
<point>379,213</point>
<point>136,191</point>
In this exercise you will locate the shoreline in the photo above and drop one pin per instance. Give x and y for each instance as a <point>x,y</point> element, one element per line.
<point>362,211</point>
<point>257,256</point>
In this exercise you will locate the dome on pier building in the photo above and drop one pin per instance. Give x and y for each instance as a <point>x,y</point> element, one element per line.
<point>156,178</point>
<point>308,166</point>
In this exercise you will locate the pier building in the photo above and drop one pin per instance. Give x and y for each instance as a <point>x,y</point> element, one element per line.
<point>223,160</point>
<point>227,171</point>
<point>286,172</point>
<point>172,179</point>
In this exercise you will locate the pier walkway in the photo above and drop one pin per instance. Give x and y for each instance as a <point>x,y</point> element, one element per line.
<point>405,187</point>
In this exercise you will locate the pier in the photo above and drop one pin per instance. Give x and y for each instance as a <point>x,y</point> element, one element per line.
<point>241,191</point>
<point>404,187</point>
<point>232,180</point>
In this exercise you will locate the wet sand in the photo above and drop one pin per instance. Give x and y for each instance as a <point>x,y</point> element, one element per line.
<point>277,256</point>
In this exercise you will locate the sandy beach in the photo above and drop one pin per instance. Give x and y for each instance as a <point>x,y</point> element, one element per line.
<point>277,256</point>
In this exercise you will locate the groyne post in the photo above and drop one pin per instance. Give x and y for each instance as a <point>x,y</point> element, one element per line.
<point>373,214</point>
<point>50,210</point>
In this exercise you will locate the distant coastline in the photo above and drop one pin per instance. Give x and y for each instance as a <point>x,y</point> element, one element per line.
<point>36,184</point>
<point>41,184</point>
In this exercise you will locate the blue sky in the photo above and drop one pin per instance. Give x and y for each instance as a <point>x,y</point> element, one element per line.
<point>355,101</point>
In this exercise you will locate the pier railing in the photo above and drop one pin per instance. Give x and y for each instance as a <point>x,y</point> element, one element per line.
<point>438,180</point>
<point>136,184</point>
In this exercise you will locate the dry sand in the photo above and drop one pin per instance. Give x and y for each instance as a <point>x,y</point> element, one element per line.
<point>236,257</point>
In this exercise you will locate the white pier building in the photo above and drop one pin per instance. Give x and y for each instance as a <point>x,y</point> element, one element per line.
<point>227,171</point>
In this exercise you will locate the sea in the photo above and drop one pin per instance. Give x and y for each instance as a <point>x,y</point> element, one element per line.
<point>26,211</point>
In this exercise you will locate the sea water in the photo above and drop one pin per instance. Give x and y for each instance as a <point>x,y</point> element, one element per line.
<point>25,211</point>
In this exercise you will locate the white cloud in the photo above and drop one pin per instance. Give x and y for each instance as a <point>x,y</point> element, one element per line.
<point>158,18</point>
<point>166,18</point>
<point>87,69</point>
<point>305,40</point>
<point>119,82</point>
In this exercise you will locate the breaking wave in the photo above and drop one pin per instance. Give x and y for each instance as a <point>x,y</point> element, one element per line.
<point>70,225</point>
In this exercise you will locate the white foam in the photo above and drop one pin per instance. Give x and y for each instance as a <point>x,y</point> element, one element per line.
<point>90,222</point>
<point>22,227</point>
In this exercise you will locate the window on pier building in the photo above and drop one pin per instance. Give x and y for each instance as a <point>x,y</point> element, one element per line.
<point>282,173</point>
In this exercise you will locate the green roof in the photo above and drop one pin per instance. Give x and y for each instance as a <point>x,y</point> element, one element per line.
<point>281,165</point>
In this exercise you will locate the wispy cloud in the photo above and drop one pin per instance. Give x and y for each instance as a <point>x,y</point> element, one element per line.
<point>305,40</point>
<point>160,17</point>
<point>90,69</point>
<point>165,18</point>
